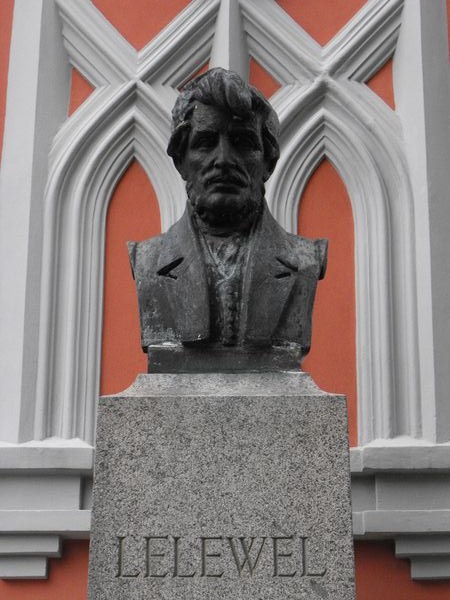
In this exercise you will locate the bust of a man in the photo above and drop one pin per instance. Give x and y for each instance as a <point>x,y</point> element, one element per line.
<point>226,288</point>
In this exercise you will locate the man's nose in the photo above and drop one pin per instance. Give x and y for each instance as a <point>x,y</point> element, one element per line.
<point>224,152</point>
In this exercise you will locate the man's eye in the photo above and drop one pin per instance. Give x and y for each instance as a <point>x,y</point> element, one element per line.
<point>203,142</point>
<point>243,142</point>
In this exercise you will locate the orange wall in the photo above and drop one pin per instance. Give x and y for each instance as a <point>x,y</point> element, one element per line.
<point>6,15</point>
<point>381,576</point>
<point>322,19</point>
<point>139,21</point>
<point>133,215</point>
<point>325,211</point>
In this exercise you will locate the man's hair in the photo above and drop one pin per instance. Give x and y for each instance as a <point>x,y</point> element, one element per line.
<point>227,91</point>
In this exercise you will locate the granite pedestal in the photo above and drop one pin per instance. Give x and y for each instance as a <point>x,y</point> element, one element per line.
<point>222,487</point>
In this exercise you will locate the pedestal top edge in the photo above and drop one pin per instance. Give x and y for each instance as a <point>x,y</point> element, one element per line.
<point>287,383</point>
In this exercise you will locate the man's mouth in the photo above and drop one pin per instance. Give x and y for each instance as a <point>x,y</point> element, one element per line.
<point>225,181</point>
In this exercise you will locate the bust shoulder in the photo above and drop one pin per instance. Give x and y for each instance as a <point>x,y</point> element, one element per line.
<point>307,253</point>
<point>144,254</point>
<point>312,250</point>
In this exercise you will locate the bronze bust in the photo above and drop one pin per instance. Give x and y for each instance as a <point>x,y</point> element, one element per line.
<point>226,288</point>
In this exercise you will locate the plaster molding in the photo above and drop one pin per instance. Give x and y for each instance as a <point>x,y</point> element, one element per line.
<point>95,47</point>
<point>290,55</point>
<point>405,499</point>
<point>82,177</point>
<point>36,104</point>
<point>117,123</point>
<point>316,113</point>
<point>72,524</point>
<point>400,455</point>
<point>104,57</point>
<point>230,48</point>
<point>44,500</point>
<point>56,454</point>
<point>325,111</point>
<point>422,91</point>
<point>358,136</point>
<point>429,556</point>
<point>365,43</point>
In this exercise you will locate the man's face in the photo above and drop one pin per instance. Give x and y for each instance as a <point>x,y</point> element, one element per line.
<point>224,167</point>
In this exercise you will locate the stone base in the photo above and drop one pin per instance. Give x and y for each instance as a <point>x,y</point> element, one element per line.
<point>226,487</point>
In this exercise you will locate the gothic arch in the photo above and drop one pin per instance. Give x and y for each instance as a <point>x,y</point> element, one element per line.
<point>80,185</point>
<point>370,164</point>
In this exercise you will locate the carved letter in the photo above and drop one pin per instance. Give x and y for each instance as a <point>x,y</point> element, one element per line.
<point>155,555</point>
<point>247,560</point>
<point>176,559</point>
<point>305,560</point>
<point>277,555</point>
<point>120,557</point>
<point>206,555</point>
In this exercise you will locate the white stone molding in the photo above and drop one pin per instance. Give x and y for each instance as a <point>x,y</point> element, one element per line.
<point>422,91</point>
<point>290,55</point>
<point>429,555</point>
<point>36,105</point>
<point>25,556</point>
<point>71,330</point>
<point>229,50</point>
<point>325,110</point>
<point>128,116</point>
<point>401,491</point>
<point>45,498</point>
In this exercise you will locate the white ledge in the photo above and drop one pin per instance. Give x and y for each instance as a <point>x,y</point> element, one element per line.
<point>51,453</point>
<point>74,524</point>
<point>400,454</point>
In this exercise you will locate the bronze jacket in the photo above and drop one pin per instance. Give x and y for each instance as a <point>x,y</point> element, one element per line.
<point>278,291</point>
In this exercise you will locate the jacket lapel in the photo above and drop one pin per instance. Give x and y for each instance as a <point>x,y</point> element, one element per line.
<point>270,276</point>
<point>180,267</point>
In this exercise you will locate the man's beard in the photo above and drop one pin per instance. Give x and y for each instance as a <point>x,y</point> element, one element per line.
<point>227,211</point>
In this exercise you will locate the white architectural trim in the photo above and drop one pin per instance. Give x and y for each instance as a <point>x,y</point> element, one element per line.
<point>83,174</point>
<point>229,50</point>
<point>429,555</point>
<point>37,97</point>
<point>324,111</point>
<point>51,454</point>
<point>422,92</point>
<point>400,454</point>
<point>343,122</point>
<point>406,498</point>
<point>26,556</point>
<point>46,497</point>
<point>72,524</point>
<point>121,120</point>
<point>290,55</point>
<point>315,118</point>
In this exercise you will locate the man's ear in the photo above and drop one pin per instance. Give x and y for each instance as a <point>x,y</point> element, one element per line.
<point>269,167</point>
<point>177,147</point>
<point>179,165</point>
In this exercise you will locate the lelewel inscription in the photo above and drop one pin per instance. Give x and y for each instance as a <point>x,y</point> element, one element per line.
<point>167,556</point>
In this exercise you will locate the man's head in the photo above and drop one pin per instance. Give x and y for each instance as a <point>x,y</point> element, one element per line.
<point>224,144</point>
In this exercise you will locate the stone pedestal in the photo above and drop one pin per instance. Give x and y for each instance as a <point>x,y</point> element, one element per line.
<point>222,487</point>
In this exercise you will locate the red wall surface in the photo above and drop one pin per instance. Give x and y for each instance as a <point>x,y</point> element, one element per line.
<point>324,211</point>
<point>6,14</point>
